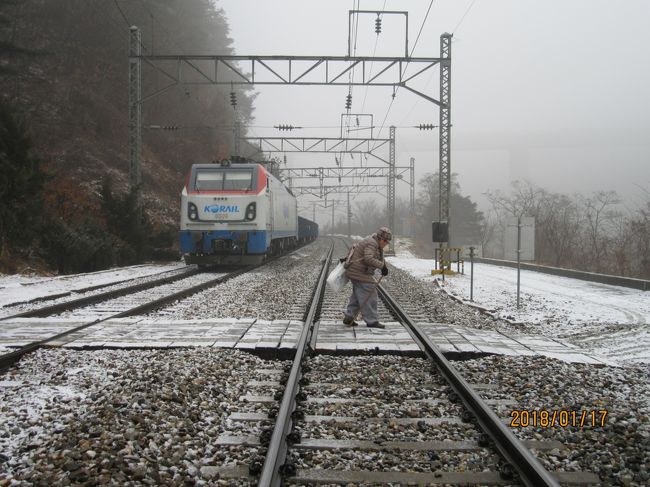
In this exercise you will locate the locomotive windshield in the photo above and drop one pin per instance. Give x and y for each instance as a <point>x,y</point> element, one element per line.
<point>223,180</point>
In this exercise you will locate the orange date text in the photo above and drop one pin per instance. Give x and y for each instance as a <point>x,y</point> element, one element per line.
<point>551,418</point>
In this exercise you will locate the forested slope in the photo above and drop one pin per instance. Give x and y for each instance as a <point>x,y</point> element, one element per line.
<point>64,75</point>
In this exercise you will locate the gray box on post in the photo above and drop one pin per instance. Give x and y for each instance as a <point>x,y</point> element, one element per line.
<point>439,232</point>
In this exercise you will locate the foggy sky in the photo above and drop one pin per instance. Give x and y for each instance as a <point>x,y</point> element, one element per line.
<point>553,92</point>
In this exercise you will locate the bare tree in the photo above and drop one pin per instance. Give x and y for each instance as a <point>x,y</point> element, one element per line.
<point>368,216</point>
<point>558,229</point>
<point>639,229</point>
<point>599,214</point>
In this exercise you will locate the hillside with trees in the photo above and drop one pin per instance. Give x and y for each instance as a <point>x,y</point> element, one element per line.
<point>64,154</point>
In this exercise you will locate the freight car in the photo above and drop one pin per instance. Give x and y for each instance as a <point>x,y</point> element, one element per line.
<point>307,230</point>
<point>238,213</point>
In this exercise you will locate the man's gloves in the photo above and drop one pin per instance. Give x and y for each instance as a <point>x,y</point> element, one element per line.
<point>384,270</point>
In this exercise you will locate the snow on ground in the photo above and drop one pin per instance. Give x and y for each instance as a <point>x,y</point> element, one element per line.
<point>610,321</point>
<point>20,288</point>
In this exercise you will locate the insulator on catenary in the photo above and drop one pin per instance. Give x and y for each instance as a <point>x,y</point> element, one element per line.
<point>348,102</point>
<point>426,126</point>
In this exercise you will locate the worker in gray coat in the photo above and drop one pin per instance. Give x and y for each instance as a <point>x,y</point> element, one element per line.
<point>368,256</point>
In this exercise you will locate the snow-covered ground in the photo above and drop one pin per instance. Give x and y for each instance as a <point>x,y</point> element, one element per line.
<point>610,321</point>
<point>20,288</point>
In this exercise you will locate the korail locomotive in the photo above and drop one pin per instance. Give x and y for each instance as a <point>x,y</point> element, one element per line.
<point>235,212</point>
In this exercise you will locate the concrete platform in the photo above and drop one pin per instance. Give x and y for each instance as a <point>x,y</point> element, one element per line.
<point>278,338</point>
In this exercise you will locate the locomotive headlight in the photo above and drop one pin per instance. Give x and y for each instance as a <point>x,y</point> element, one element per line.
<point>250,211</point>
<point>192,211</point>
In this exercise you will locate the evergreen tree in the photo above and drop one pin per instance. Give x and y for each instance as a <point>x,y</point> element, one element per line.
<point>21,183</point>
<point>465,218</point>
<point>122,219</point>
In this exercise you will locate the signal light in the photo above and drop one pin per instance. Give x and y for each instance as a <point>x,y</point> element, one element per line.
<point>348,101</point>
<point>378,24</point>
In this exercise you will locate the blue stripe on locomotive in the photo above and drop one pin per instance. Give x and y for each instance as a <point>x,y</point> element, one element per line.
<point>258,241</point>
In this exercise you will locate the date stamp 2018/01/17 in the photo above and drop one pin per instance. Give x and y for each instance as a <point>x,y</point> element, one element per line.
<point>564,418</point>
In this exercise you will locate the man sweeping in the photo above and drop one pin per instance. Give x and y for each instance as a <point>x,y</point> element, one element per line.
<point>368,255</point>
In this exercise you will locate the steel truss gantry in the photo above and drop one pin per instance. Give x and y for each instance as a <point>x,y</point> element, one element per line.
<point>342,172</point>
<point>235,70</point>
<point>405,173</point>
<point>291,71</point>
<point>329,145</point>
<point>362,145</point>
<point>322,191</point>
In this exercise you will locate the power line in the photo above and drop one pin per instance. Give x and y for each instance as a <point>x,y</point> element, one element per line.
<point>128,24</point>
<point>420,32</point>
<point>374,51</point>
<point>381,127</point>
<point>114,24</point>
<point>167,33</point>
<point>463,17</point>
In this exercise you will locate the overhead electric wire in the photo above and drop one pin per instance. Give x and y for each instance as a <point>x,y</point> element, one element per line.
<point>381,127</point>
<point>374,51</point>
<point>463,17</point>
<point>420,31</point>
<point>128,24</point>
<point>113,23</point>
<point>431,75</point>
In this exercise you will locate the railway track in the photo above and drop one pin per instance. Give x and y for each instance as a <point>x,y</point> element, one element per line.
<point>85,296</point>
<point>369,419</point>
<point>362,420</point>
<point>117,303</point>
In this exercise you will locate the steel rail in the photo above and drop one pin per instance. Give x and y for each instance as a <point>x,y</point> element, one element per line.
<point>76,303</point>
<point>528,467</point>
<point>51,297</point>
<point>277,449</point>
<point>6,360</point>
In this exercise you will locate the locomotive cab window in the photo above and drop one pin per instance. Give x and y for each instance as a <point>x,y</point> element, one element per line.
<point>224,180</point>
<point>238,180</point>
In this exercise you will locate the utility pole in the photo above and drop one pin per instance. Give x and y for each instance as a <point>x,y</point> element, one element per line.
<point>518,257</point>
<point>237,135</point>
<point>412,198</point>
<point>391,186</point>
<point>445,131</point>
<point>349,217</point>
<point>135,117</point>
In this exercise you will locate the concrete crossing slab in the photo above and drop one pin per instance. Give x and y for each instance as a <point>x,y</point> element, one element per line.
<point>266,336</point>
